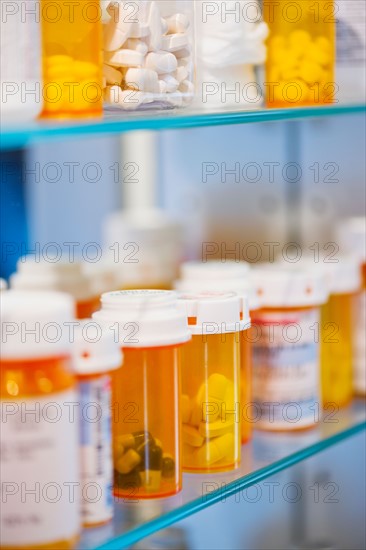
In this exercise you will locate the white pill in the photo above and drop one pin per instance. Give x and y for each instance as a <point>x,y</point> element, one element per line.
<point>161,62</point>
<point>111,75</point>
<point>186,87</point>
<point>138,45</point>
<point>181,73</point>
<point>115,34</point>
<point>139,30</point>
<point>174,42</point>
<point>124,58</point>
<point>143,80</point>
<point>171,82</point>
<point>177,23</point>
<point>183,53</point>
<point>175,99</point>
<point>163,88</point>
<point>127,99</point>
<point>164,26</point>
<point>154,39</point>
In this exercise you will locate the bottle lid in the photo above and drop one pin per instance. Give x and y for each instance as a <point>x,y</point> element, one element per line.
<point>35,324</point>
<point>216,312</point>
<point>278,286</point>
<point>145,247</point>
<point>144,318</point>
<point>3,285</point>
<point>218,276</point>
<point>95,349</point>
<point>40,274</point>
<point>351,236</point>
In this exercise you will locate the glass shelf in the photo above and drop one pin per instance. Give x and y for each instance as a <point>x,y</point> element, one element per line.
<point>266,455</point>
<point>15,137</point>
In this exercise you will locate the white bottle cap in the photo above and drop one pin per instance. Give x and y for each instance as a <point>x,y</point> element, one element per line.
<point>95,349</point>
<point>279,286</point>
<point>40,274</point>
<point>351,236</point>
<point>216,312</point>
<point>3,285</point>
<point>35,324</point>
<point>218,276</point>
<point>145,247</point>
<point>144,318</point>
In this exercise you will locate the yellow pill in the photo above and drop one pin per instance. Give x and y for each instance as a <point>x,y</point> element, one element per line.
<point>215,429</point>
<point>274,74</point>
<point>151,480</point>
<point>278,55</point>
<point>317,55</point>
<point>60,71</point>
<point>118,448</point>
<point>216,386</point>
<point>290,73</point>
<point>310,72</point>
<point>126,441</point>
<point>323,43</point>
<point>214,450</point>
<point>83,70</point>
<point>54,60</point>
<point>277,42</point>
<point>186,408</point>
<point>299,38</point>
<point>191,436</point>
<point>128,462</point>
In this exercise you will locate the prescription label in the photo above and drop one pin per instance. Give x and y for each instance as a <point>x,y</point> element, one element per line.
<point>39,467</point>
<point>359,345</point>
<point>286,379</point>
<point>96,449</point>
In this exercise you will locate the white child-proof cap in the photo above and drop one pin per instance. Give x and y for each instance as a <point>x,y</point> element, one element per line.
<point>144,318</point>
<point>278,286</point>
<point>216,312</point>
<point>351,236</point>
<point>216,276</point>
<point>95,349</point>
<point>35,324</point>
<point>34,273</point>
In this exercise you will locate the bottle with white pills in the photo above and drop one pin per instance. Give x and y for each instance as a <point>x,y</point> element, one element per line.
<point>20,61</point>
<point>148,54</point>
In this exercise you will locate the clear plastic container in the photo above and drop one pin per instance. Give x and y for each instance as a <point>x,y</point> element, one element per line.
<point>39,274</point>
<point>96,355</point>
<point>72,61</point>
<point>286,360</point>
<point>228,276</point>
<point>20,62</point>
<point>301,53</point>
<point>151,329</point>
<point>211,398</point>
<point>148,54</point>
<point>352,240</point>
<point>39,437</point>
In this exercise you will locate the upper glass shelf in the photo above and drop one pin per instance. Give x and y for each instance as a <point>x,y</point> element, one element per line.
<point>266,455</point>
<point>19,136</point>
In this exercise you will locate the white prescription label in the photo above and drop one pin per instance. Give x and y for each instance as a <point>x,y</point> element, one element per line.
<point>39,466</point>
<point>286,378</point>
<point>96,449</point>
<point>359,344</point>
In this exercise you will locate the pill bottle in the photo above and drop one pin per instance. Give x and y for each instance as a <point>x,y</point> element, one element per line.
<point>211,414</point>
<point>71,59</point>
<point>145,248</point>
<point>39,274</point>
<point>151,328</point>
<point>149,54</point>
<point>351,236</point>
<point>228,276</point>
<point>20,61</point>
<point>96,355</point>
<point>301,53</point>
<point>230,38</point>
<point>286,358</point>
<point>339,331</point>
<point>39,434</point>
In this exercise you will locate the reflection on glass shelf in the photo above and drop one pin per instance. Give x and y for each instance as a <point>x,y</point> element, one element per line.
<point>113,123</point>
<point>266,455</point>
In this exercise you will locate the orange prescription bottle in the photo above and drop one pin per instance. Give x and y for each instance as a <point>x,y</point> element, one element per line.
<point>352,239</point>
<point>228,276</point>
<point>40,274</point>
<point>151,328</point>
<point>39,438</point>
<point>301,53</point>
<point>338,330</point>
<point>286,358</point>
<point>72,63</point>
<point>96,355</point>
<point>211,412</point>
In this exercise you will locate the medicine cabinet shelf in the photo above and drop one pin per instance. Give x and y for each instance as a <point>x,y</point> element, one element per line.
<point>266,455</point>
<point>15,137</point>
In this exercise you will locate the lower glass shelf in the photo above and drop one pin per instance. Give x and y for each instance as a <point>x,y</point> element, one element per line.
<point>267,454</point>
